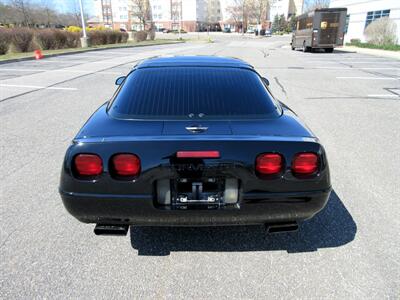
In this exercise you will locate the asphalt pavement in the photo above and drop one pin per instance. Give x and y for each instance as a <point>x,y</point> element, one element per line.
<point>349,250</point>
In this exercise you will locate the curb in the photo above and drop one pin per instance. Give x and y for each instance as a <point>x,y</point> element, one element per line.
<point>83,51</point>
<point>374,52</point>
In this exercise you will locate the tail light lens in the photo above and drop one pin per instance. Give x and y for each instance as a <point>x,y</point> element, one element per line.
<point>269,163</point>
<point>125,165</point>
<point>88,165</point>
<point>305,163</point>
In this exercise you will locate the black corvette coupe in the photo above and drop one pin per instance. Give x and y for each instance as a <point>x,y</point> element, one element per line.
<point>194,140</point>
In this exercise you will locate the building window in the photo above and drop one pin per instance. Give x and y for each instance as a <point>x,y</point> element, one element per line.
<point>346,27</point>
<point>374,15</point>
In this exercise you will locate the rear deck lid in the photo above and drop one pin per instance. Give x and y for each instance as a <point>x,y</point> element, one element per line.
<point>196,128</point>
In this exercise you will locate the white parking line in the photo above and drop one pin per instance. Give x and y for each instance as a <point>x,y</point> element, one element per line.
<point>352,62</point>
<point>24,70</point>
<point>353,58</point>
<point>348,68</point>
<point>368,78</point>
<point>60,70</point>
<point>384,96</point>
<point>38,87</point>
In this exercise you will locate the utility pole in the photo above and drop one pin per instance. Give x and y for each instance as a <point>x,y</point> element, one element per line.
<point>180,20</point>
<point>243,13</point>
<point>84,39</point>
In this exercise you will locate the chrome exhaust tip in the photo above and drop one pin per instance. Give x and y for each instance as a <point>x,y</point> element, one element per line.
<point>108,229</point>
<point>282,227</point>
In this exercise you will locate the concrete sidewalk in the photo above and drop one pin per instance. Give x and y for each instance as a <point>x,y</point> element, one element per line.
<point>376,52</point>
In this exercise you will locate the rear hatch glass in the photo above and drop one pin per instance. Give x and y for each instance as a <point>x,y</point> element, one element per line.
<point>193,93</point>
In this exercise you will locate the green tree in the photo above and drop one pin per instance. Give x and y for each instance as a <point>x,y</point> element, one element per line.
<point>292,23</point>
<point>275,24</point>
<point>283,24</point>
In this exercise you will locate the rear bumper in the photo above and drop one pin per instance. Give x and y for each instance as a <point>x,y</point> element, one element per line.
<point>254,208</point>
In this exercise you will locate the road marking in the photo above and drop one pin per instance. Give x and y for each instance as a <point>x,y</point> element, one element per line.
<point>384,96</point>
<point>24,70</point>
<point>352,63</point>
<point>369,78</point>
<point>355,58</point>
<point>39,87</point>
<point>61,70</point>
<point>347,68</point>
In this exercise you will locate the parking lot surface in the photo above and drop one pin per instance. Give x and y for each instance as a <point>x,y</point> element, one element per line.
<point>349,250</point>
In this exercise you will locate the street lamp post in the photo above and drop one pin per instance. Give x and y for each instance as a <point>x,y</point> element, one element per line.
<point>180,21</point>
<point>84,39</point>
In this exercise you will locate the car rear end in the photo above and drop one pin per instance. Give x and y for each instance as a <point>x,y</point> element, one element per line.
<point>179,178</point>
<point>184,143</point>
<point>265,182</point>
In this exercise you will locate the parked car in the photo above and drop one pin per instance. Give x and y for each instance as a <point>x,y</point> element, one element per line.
<point>177,31</point>
<point>166,30</point>
<point>268,33</point>
<point>250,31</point>
<point>227,30</point>
<point>194,140</point>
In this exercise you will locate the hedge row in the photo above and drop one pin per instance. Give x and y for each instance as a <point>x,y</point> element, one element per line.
<point>358,43</point>
<point>102,37</point>
<point>25,39</point>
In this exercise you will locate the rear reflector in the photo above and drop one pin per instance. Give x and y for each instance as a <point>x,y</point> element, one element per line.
<point>269,163</point>
<point>305,163</point>
<point>125,165</point>
<point>88,164</point>
<point>197,154</point>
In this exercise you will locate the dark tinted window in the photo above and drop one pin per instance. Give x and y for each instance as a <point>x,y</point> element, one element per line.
<point>177,92</point>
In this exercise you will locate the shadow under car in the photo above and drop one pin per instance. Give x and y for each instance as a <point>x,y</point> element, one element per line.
<point>332,227</point>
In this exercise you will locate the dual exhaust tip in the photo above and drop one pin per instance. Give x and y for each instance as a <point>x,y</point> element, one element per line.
<point>281,227</point>
<point>111,229</point>
<point>122,230</point>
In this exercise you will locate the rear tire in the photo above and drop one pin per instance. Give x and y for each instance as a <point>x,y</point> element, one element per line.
<point>329,50</point>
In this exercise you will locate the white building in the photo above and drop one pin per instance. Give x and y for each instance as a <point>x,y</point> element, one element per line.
<point>190,15</point>
<point>360,13</point>
<point>286,8</point>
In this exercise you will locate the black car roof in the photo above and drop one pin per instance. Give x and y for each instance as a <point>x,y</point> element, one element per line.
<point>194,61</point>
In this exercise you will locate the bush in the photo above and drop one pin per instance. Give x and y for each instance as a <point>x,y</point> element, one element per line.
<point>22,39</point>
<point>73,39</point>
<point>381,32</point>
<point>355,41</point>
<point>49,39</point>
<point>60,39</point>
<point>45,39</point>
<point>73,29</point>
<point>102,37</point>
<point>97,37</point>
<point>113,37</point>
<point>140,36</point>
<point>373,46</point>
<point>124,37</point>
<point>25,39</point>
<point>5,40</point>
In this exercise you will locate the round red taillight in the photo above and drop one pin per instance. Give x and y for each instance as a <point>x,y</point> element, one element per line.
<point>305,163</point>
<point>88,165</point>
<point>269,163</point>
<point>125,165</point>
